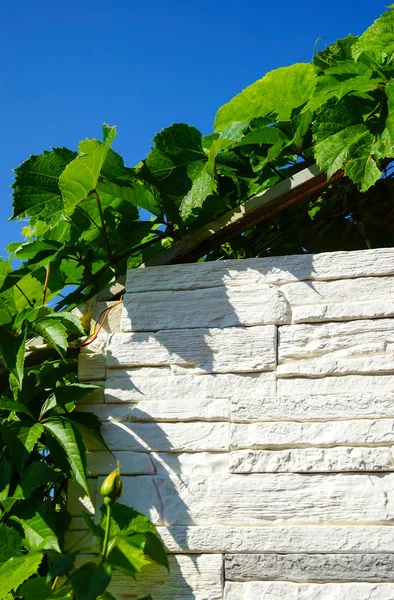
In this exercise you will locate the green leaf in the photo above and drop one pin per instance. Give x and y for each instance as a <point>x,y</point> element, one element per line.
<point>21,438</point>
<point>278,92</point>
<point>38,526</point>
<point>36,187</point>
<point>62,566</point>
<point>36,475</point>
<point>342,140</point>
<point>12,352</point>
<point>378,38</point>
<point>10,543</point>
<point>87,424</point>
<point>127,520</point>
<point>81,176</point>
<point>90,580</point>
<point>127,559</point>
<point>74,392</point>
<point>13,405</point>
<point>69,439</point>
<point>339,51</point>
<point>385,144</point>
<point>70,322</point>
<point>340,80</point>
<point>203,186</point>
<point>53,331</point>
<point>176,158</point>
<point>16,570</point>
<point>151,545</point>
<point>5,479</point>
<point>5,268</point>
<point>38,589</point>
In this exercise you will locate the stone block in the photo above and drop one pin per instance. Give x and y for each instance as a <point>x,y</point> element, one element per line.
<point>324,539</point>
<point>264,590</point>
<point>166,437</point>
<point>276,269</point>
<point>275,498</point>
<point>309,567</point>
<point>190,578</point>
<point>228,350</point>
<point>211,307</point>
<point>287,434</point>
<point>206,409</point>
<point>153,384</point>
<point>310,408</point>
<point>311,460</point>
<point>131,463</point>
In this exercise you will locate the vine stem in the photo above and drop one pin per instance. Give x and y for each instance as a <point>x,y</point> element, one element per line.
<point>103,228</point>
<point>44,291</point>
<point>107,530</point>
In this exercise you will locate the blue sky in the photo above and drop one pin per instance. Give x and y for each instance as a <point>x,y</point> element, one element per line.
<point>66,67</point>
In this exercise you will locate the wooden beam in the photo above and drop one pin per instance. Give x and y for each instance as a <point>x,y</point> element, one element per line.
<point>255,210</point>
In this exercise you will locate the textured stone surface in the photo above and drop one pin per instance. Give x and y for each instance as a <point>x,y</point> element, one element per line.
<point>285,539</point>
<point>233,349</point>
<point>206,409</point>
<point>190,578</point>
<point>311,460</point>
<point>194,463</point>
<point>264,590</point>
<point>343,311</point>
<point>322,349</point>
<point>278,269</point>
<point>346,384</point>
<point>309,567</point>
<point>365,297</point>
<point>274,498</point>
<point>131,463</point>
<point>154,384</point>
<point>309,408</point>
<point>165,437</point>
<point>290,433</point>
<point>212,307</point>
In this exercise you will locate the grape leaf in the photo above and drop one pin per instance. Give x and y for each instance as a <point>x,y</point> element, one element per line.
<point>16,570</point>
<point>10,543</point>
<point>176,159</point>
<point>343,140</point>
<point>36,187</point>
<point>378,38</point>
<point>38,527</point>
<point>80,177</point>
<point>90,580</point>
<point>278,92</point>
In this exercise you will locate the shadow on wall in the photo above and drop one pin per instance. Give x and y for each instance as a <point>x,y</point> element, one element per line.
<point>199,334</point>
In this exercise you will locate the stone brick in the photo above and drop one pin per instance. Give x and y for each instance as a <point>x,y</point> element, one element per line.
<point>152,384</point>
<point>190,578</point>
<point>279,538</point>
<point>232,349</point>
<point>274,498</point>
<point>286,434</point>
<point>309,408</point>
<point>309,567</point>
<point>311,460</point>
<point>166,437</point>
<point>264,590</point>
<point>212,307</point>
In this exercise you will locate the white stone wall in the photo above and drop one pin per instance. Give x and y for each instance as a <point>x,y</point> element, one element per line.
<point>251,405</point>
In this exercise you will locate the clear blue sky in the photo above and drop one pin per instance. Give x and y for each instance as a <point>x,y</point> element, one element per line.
<point>141,65</point>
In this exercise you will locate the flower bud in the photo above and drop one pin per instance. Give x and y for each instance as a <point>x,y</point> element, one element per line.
<point>111,487</point>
